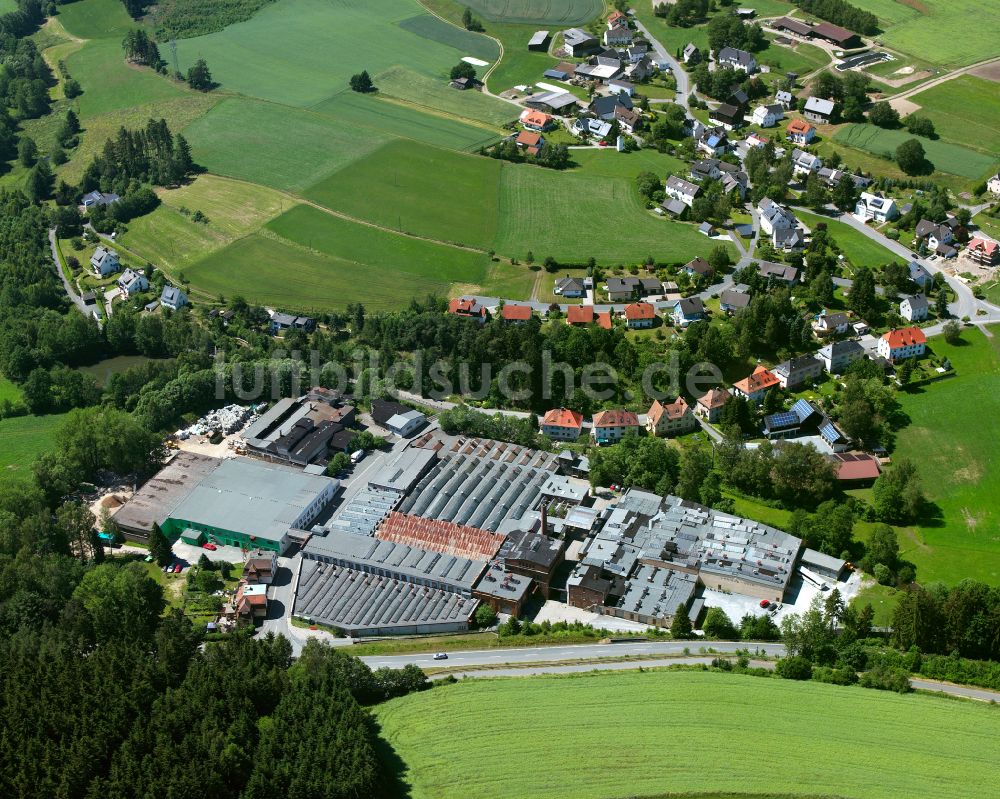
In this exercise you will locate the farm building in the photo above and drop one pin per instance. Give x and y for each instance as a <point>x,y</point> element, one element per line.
<point>539,41</point>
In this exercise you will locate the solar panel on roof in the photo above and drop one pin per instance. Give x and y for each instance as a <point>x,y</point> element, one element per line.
<point>782,419</point>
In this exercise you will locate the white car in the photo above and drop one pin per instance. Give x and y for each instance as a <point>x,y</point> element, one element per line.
<point>441,656</point>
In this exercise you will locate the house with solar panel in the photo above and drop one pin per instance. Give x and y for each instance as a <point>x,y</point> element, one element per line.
<point>834,436</point>
<point>789,424</point>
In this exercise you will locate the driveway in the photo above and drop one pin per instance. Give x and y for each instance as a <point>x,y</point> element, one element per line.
<point>70,290</point>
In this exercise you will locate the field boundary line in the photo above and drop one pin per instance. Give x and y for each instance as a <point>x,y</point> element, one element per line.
<point>486,75</point>
<point>430,111</point>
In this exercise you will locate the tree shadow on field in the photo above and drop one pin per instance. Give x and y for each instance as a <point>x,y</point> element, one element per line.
<point>393,782</point>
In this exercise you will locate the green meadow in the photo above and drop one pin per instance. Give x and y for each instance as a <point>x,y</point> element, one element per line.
<point>96,19</point>
<point>419,189</point>
<point>23,439</point>
<point>685,733</point>
<point>946,157</point>
<point>857,247</point>
<point>966,111</point>
<point>437,97</point>
<point>531,12</point>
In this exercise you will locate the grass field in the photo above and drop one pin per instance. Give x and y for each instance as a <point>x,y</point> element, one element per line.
<point>286,148</point>
<point>965,110</point>
<point>24,439</point>
<point>639,734</point>
<point>550,12</point>
<point>8,390</point>
<point>943,155</point>
<point>465,41</point>
<point>573,217</point>
<point>858,248</point>
<point>803,59</point>
<point>950,33</point>
<point>419,189</point>
<point>301,52</point>
<point>171,240</point>
<point>609,163</point>
<point>96,19</point>
<point>952,437</point>
<point>437,97</point>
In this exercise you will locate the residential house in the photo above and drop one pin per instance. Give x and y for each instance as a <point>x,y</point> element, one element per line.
<point>535,120</point>
<point>757,384</point>
<point>280,322</point>
<point>818,110</point>
<point>635,53</point>
<point>604,107</point>
<point>250,603</point>
<point>734,299</point>
<point>674,208</point>
<point>728,115</point>
<point>907,342</point>
<point>640,70</point>
<point>617,19</point>
<point>767,116</point>
<point>579,43</point>
<point>713,141</point>
<point>915,308</point>
<point>798,371</point>
<point>876,208</point>
<point>98,198</point>
<point>687,310</point>
<point>622,288</point>
<point>832,178</point>
<point>539,41</point>
<point>800,132</point>
<point>619,86</point>
<point>611,426</point>
<point>737,59</point>
<point>650,285</point>
<point>936,237</point>
<point>604,320</point>
<point>468,308</point>
<point>697,267</point>
<point>983,251</point>
<point>131,282</point>
<point>639,315</point>
<point>959,231</point>
<point>618,36</point>
<point>780,224</point>
<point>838,355</point>
<point>756,140</point>
<point>738,182</point>
<point>260,567</point>
<point>778,273</point>
<point>530,142</point>
<point>104,262</point>
<point>805,163</point>
<point>784,99</point>
<point>706,169</point>
<point>562,424</point>
<point>786,424</point>
<point>173,298</point>
<point>580,315</point>
<point>831,324</point>
<point>833,435</point>
<point>671,419</point>
<point>589,126</point>
<point>628,119</point>
<point>569,287</point>
<point>709,405</point>
<point>993,184</point>
<point>680,189</point>
<point>919,274</point>
<point>515,314</point>
<point>692,56</point>
<point>739,98</point>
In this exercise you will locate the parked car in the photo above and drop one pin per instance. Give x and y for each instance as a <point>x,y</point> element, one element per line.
<point>765,604</point>
<point>177,568</point>
<point>441,656</point>
<point>210,546</point>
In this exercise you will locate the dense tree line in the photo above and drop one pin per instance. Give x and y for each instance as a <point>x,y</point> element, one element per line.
<point>140,48</point>
<point>683,13</point>
<point>842,13</point>
<point>149,155</point>
<point>184,19</point>
<point>727,30</point>
<point>517,430</point>
<point>553,156</point>
<point>964,619</point>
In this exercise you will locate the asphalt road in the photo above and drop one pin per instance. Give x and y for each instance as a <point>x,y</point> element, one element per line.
<point>678,70</point>
<point>549,654</point>
<point>578,668</point>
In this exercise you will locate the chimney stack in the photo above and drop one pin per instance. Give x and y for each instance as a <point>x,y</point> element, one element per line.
<point>545,519</point>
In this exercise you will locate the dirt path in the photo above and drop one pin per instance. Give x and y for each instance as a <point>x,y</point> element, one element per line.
<point>943,79</point>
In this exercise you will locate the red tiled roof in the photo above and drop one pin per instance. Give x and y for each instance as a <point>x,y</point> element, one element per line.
<point>616,418</point>
<point>761,378</point>
<point>856,466</point>
<point>441,536</point>
<point>465,307</point>
<point>516,313</point>
<point>714,398</point>
<point>580,314</point>
<point>673,410</point>
<point>535,118</point>
<point>640,310</point>
<point>529,138</point>
<point>988,246</point>
<point>563,417</point>
<point>905,337</point>
<point>799,126</point>
<point>604,319</point>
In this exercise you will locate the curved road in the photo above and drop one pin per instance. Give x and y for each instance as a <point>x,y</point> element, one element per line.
<point>683,88</point>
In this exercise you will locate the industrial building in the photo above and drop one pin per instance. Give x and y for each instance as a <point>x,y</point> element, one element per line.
<point>302,430</point>
<point>237,501</point>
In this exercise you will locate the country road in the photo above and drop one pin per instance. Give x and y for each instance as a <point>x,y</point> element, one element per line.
<point>75,298</point>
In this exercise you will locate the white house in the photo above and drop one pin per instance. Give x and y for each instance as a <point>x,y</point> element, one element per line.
<point>818,110</point>
<point>909,342</point>
<point>132,282</point>
<point>875,207</point>
<point>805,163</point>
<point>915,308</point>
<point>682,190</point>
<point>579,43</point>
<point>800,132</point>
<point>832,324</point>
<point>780,224</point>
<point>173,298</point>
<point>993,184</point>
<point>785,98</point>
<point>405,424</point>
<point>737,59</point>
<point>104,262</point>
<point>767,116</point>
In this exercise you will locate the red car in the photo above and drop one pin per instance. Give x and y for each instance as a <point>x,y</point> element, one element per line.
<point>210,546</point>
<point>177,568</point>
<point>765,603</point>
